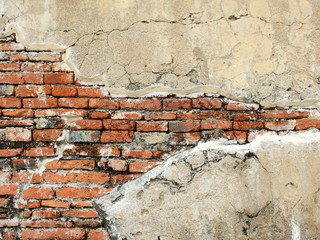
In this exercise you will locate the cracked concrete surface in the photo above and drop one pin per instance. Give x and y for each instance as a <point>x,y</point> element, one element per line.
<point>268,189</point>
<point>259,50</point>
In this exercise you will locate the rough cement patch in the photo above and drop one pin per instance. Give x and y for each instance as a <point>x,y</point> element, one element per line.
<point>268,189</point>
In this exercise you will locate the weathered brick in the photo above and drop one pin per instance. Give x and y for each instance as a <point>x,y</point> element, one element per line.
<point>58,78</point>
<point>159,154</point>
<point>160,116</point>
<point>11,47</point>
<point>10,103</point>
<point>38,193</point>
<point>21,177</point>
<point>145,126</point>
<point>32,91</point>
<point>9,234</point>
<point>86,124</point>
<point>61,112</point>
<point>10,152</point>
<point>58,233</point>
<point>9,223</point>
<point>92,92</point>
<point>70,164</point>
<point>84,136</point>
<point>245,116</point>
<point>60,67</point>
<point>15,134</point>
<point>203,115</point>
<point>137,154</point>
<point>47,135</point>
<point>87,223</point>
<point>9,67</point>
<point>46,214</point>
<point>73,102</point>
<point>6,90</point>
<point>39,151</point>
<point>55,204</point>
<point>110,124</point>
<point>206,103</point>
<point>93,151</point>
<point>40,103</point>
<point>140,167</point>
<point>4,202</point>
<point>46,224</point>
<point>45,57</point>
<point>191,138</point>
<point>18,57</point>
<point>64,91</point>
<point>303,124</point>
<point>238,106</point>
<point>215,124</point>
<point>283,115</point>
<point>18,113</point>
<point>99,115</point>
<point>126,115</point>
<point>79,214</point>
<point>138,104</point>
<point>184,126</point>
<point>50,123</point>
<point>97,235</point>
<point>5,177</point>
<point>93,177</point>
<point>16,123</point>
<point>103,104</point>
<point>177,104</point>
<point>247,125</point>
<point>240,137</point>
<point>29,205</point>
<point>49,177</point>
<point>32,78</point>
<point>81,204</point>
<point>117,136</point>
<point>85,193</point>
<point>11,78</point>
<point>120,179</point>
<point>117,165</point>
<point>281,126</point>
<point>35,67</point>
<point>24,163</point>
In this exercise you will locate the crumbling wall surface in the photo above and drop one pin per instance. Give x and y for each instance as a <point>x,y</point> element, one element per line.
<point>268,189</point>
<point>253,50</point>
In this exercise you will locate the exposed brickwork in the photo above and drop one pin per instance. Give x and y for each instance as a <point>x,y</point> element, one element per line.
<point>86,142</point>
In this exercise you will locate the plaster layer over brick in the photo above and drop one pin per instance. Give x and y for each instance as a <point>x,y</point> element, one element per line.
<point>263,50</point>
<point>268,189</point>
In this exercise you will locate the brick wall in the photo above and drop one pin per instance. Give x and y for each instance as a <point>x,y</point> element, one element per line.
<point>64,144</point>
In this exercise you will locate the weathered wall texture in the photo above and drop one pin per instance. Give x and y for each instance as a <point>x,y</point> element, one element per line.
<point>257,50</point>
<point>268,189</point>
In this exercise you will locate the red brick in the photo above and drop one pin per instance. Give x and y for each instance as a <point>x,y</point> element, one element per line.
<point>152,126</point>
<point>10,103</point>
<point>281,126</point>
<point>49,177</point>
<point>215,124</point>
<point>283,115</point>
<point>81,204</point>
<point>58,233</point>
<point>18,113</point>
<point>303,124</point>
<point>40,103</point>
<point>185,138</point>
<point>10,152</point>
<point>140,167</point>
<point>206,103</point>
<point>16,123</point>
<point>119,179</point>
<point>9,234</point>
<point>97,235</point>
<point>86,193</point>
<point>138,104</point>
<point>38,193</point>
<point>73,102</point>
<point>103,104</point>
<point>88,223</point>
<point>248,125</point>
<point>18,57</point>
<point>99,115</point>
<point>47,135</point>
<point>93,151</point>
<point>9,67</point>
<point>61,112</point>
<point>117,165</point>
<point>25,163</point>
<point>117,136</point>
<point>9,223</point>
<point>137,154</point>
<point>36,67</point>
<point>79,214</point>
<point>58,78</point>
<point>29,205</point>
<point>4,202</point>
<point>160,154</point>
<point>39,152</point>
<point>21,177</point>
<point>11,47</point>
<point>32,91</point>
<point>176,104</point>
<point>64,91</point>
<point>203,115</point>
<point>11,78</point>
<point>46,224</point>
<point>160,116</point>
<point>17,135</point>
<point>46,214</point>
<point>86,124</point>
<point>93,177</point>
<point>92,92</point>
<point>70,164</point>
<point>184,126</point>
<point>110,124</point>
<point>55,204</point>
<point>8,189</point>
<point>240,137</point>
<point>245,116</point>
<point>32,78</point>
<point>127,115</point>
<point>237,106</point>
